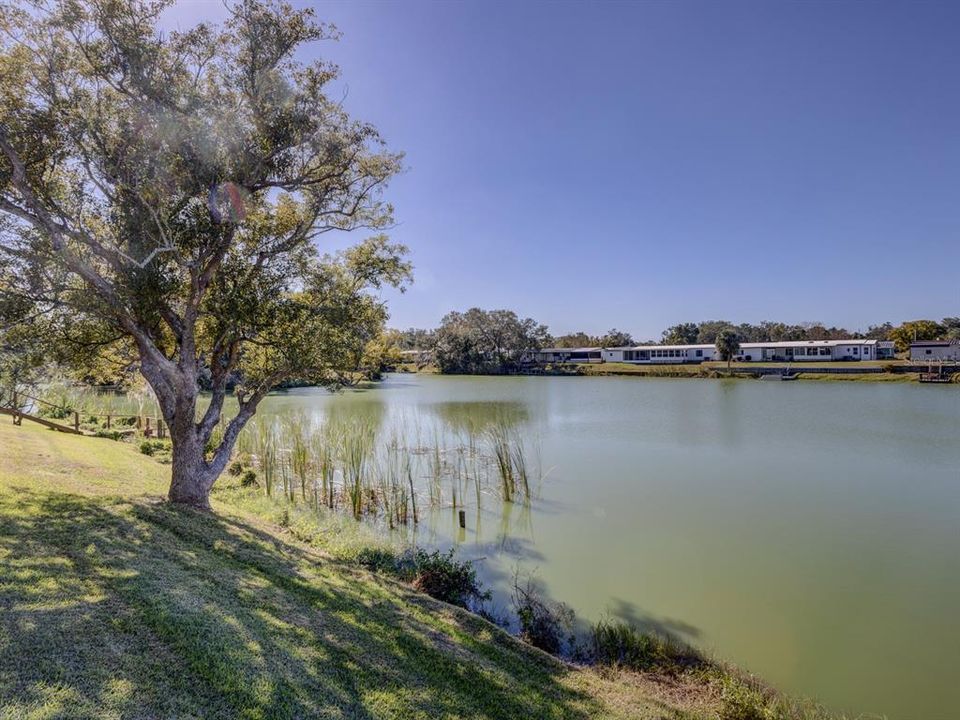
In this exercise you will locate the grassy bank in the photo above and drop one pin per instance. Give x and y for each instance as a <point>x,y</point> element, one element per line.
<point>806,370</point>
<point>114,604</point>
<point>717,370</point>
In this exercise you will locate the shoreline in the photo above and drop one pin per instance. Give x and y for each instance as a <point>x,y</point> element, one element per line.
<point>821,372</point>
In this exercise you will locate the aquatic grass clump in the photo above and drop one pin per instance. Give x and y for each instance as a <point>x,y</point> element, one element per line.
<point>510,460</point>
<point>341,461</point>
<point>295,428</point>
<point>619,644</point>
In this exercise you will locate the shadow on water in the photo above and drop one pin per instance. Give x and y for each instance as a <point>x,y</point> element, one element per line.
<point>117,608</point>
<point>630,613</point>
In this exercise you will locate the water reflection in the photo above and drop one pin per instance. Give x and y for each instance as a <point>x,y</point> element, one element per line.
<point>478,416</point>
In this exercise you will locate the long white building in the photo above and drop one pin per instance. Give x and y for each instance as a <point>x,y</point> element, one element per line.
<point>789,351</point>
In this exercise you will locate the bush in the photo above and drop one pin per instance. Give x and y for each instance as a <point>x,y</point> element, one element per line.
<point>543,623</point>
<point>380,559</point>
<point>621,645</point>
<point>152,447</point>
<point>248,479</point>
<point>440,576</point>
<point>236,467</point>
<point>109,434</point>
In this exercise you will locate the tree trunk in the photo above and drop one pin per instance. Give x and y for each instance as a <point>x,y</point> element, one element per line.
<point>191,476</point>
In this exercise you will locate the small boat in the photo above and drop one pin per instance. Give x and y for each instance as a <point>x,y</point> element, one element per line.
<point>777,377</point>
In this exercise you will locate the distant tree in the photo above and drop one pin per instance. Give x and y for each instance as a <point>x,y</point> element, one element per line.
<point>164,192</point>
<point>879,332</point>
<point>951,327</point>
<point>486,341</point>
<point>682,334</point>
<point>616,338</point>
<point>816,331</point>
<point>771,331</point>
<point>709,329</point>
<point>415,339</point>
<point>727,344</point>
<point>915,330</point>
<point>752,333</point>
<point>575,340</point>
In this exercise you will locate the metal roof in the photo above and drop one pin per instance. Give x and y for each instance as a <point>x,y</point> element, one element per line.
<point>570,350</point>
<point>935,343</point>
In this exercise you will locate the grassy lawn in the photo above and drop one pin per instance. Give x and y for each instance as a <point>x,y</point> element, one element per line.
<point>115,605</point>
<point>660,370</point>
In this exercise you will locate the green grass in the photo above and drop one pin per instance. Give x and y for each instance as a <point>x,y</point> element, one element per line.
<point>718,369</point>
<point>861,377</point>
<point>114,604</point>
<point>658,370</point>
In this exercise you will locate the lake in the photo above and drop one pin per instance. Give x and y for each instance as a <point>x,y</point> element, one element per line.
<point>809,532</point>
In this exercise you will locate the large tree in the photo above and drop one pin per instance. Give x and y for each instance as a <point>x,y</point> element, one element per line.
<point>163,195</point>
<point>485,341</point>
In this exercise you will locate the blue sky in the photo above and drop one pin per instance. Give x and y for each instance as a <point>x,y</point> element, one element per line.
<point>640,164</point>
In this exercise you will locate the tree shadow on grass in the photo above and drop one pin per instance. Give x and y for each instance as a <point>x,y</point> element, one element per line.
<point>113,608</point>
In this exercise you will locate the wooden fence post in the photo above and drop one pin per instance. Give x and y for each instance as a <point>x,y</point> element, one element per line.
<point>108,421</point>
<point>76,421</point>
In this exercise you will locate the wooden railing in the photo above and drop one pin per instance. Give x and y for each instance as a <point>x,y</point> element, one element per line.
<point>149,425</point>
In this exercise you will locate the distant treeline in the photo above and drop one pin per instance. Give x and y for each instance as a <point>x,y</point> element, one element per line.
<point>481,341</point>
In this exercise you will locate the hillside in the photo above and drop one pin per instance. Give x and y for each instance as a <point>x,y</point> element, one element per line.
<point>114,604</point>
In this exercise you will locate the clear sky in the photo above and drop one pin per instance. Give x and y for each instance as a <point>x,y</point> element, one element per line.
<point>639,164</point>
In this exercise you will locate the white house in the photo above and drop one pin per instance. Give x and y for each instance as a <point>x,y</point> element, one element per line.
<point>935,350</point>
<point>788,351</point>
<point>660,354</point>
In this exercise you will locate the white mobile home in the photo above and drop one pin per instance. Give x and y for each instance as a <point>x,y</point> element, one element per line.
<point>788,351</point>
<point>660,354</point>
<point>935,350</point>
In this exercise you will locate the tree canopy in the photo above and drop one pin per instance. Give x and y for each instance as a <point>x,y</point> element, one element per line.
<point>161,197</point>
<point>485,341</point>
<point>914,330</point>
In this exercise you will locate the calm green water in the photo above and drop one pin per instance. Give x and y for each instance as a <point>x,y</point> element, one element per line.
<point>809,532</point>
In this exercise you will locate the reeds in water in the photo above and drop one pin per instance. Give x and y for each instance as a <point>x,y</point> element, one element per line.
<point>339,462</point>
